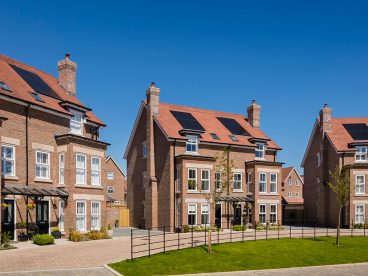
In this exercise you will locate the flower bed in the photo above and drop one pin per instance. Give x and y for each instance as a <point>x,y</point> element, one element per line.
<point>76,236</point>
<point>43,239</point>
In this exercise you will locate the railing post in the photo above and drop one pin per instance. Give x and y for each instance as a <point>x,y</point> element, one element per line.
<point>218,235</point>
<point>326,231</point>
<point>243,233</point>
<point>149,242</point>
<point>179,238</point>
<point>205,235</point>
<point>302,229</point>
<point>131,244</point>
<point>164,239</point>
<point>290,231</point>
<point>314,230</point>
<point>231,233</point>
<point>266,230</point>
<point>364,229</point>
<point>278,230</point>
<point>192,235</point>
<point>255,230</point>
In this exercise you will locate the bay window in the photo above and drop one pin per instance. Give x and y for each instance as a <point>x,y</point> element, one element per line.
<point>192,214</point>
<point>359,214</point>
<point>192,179</point>
<point>205,180</point>
<point>205,214</point>
<point>262,213</point>
<point>273,183</point>
<point>95,171</point>
<point>262,183</point>
<point>81,223</point>
<point>61,168</point>
<point>249,182</point>
<point>273,213</point>
<point>95,216</point>
<point>81,169</point>
<point>360,184</point>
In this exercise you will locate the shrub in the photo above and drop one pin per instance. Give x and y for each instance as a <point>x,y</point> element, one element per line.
<point>5,239</point>
<point>261,227</point>
<point>95,235</point>
<point>75,236</point>
<point>55,229</point>
<point>360,226</point>
<point>43,239</point>
<point>240,227</point>
<point>109,227</point>
<point>199,228</point>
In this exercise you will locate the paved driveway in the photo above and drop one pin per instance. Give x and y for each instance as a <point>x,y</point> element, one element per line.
<point>88,254</point>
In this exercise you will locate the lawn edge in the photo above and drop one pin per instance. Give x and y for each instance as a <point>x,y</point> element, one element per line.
<point>106,266</point>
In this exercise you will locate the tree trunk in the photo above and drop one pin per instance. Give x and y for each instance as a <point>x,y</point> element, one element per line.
<point>338,228</point>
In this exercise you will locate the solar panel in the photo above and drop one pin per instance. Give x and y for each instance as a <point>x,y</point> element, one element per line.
<point>233,126</point>
<point>34,81</point>
<point>187,121</point>
<point>357,131</point>
<point>36,97</point>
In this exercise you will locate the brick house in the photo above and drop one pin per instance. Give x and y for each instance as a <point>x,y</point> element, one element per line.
<point>51,158</point>
<point>116,194</point>
<point>171,151</point>
<point>116,185</point>
<point>336,142</point>
<point>292,195</point>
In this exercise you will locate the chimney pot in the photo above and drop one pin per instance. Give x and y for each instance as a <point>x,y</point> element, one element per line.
<point>67,56</point>
<point>254,114</point>
<point>326,118</point>
<point>253,101</point>
<point>153,84</point>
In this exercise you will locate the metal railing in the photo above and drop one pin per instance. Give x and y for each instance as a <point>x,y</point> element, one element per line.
<point>145,242</point>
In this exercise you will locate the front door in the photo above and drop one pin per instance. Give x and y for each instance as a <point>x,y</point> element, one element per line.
<point>237,214</point>
<point>8,215</point>
<point>218,216</point>
<point>42,217</point>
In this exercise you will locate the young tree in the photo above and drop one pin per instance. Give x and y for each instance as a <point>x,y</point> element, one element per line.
<point>222,185</point>
<point>340,185</point>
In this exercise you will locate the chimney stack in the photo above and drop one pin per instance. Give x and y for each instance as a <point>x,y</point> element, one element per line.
<point>254,114</point>
<point>153,98</point>
<point>325,118</point>
<point>67,75</point>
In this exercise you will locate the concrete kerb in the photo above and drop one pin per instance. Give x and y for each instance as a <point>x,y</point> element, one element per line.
<point>112,270</point>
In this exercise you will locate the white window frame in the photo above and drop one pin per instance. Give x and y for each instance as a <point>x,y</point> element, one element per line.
<point>61,223</point>
<point>361,154</point>
<point>110,188</point>
<point>110,175</point>
<point>240,188</point>
<point>194,179</point>
<point>296,194</point>
<point>191,213</point>
<point>360,187</point>
<point>204,180</point>
<point>273,213</point>
<point>76,126</point>
<point>82,215</point>
<point>290,181</point>
<point>262,213</point>
<point>261,150</point>
<point>43,165</point>
<point>262,182</point>
<point>297,182</point>
<point>290,194</point>
<point>205,213</point>
<point>95,216</point>
<point>218,181</point>
<point>6,159</point>
<point>96,171</point>
<point>249,181</point>
<point>81,169</point>
<point>191,144</point>
<point>273,183</point>
<point>361,218</point>
<point>61,168</point>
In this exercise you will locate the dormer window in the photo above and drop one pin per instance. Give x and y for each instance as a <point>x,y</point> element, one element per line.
<point>260,150</point>
<point>76,122</point>
<point>192,144</point>
<point>4,86</point>
<point>361,153</point>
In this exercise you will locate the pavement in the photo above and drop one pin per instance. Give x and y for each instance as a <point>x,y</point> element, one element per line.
<point>359,269</point>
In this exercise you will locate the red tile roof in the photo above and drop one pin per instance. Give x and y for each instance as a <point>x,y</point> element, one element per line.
<point>285,173</point>
<point>208,119</point>
<point>339,136</point>
<point>20,88</point>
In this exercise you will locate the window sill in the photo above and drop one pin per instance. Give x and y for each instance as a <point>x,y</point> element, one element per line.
<point>269,194</point>
<point>360,194</point>
<point>61,186</point>
<point>42,180</point>
<point>8,177</point>
<point>361,161</point>
<point>192,192</point>
<point>238,191</point>
<point>259,158</point>
<point>191,153</point>
<point>85,186</point>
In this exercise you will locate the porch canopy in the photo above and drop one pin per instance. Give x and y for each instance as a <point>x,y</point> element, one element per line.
<point>234,199</point>
<point>33,191</point>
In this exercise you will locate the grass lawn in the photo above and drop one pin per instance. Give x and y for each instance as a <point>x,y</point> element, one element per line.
<point>261,254</point>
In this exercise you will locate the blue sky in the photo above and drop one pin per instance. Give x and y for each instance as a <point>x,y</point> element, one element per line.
<point>291,56</point>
